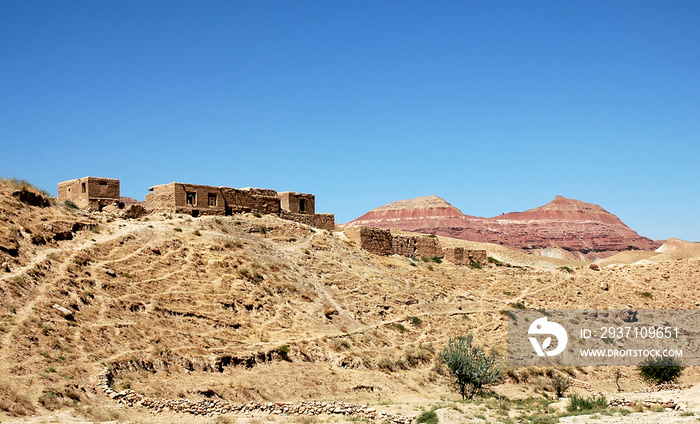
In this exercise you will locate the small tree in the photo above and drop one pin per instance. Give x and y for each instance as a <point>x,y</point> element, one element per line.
<point>660,369</point>
<point>470,366</point>
<point>560,385</point>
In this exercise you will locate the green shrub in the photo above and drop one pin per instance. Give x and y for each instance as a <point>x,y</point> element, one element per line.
<point>494,261</point>
<point>566,269</point>
<point>70,205</point>
<point>415,320</point>
<point>399,327</point>
<point>197,233</point>
<point>560,385</point>
<point>517,305</point>
<point>646,295</point>
<point>257,214</point>
<point>427,417</point>
<point>470,366</point>
<point>177,229</point>
<point>579,403</point>
<point>660,369</point>
<point>474,265</point>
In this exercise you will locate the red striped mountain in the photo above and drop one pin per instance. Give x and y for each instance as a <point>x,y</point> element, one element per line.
<point>585,229</point>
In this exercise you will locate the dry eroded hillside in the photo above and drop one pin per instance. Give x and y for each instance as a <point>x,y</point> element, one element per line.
<point>248,308</point>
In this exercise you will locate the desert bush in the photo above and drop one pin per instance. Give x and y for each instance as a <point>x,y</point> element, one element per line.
<point>470,366</point>
<point>494,261</point>
<point>70,205</point>
<point>660,370</point>
<point>428,417</point>
<point>560,385</point>
<point>580,404</point>
<point>13,401</point>
<point>399,327</point>
<point>415,320</point>
<point>474,265</point>
<point>416,355</point>
<point>566,269</point>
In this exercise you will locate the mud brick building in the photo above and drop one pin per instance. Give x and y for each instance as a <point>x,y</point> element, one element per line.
<point>373,240</point>
<point>301,207</point>
<point>462,256</point>
<point>196,200</point>
<point>418,246</point>
<point>382,242</point>
<point>90,193</point>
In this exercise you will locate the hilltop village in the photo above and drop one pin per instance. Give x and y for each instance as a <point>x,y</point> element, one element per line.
<point>103,194</point>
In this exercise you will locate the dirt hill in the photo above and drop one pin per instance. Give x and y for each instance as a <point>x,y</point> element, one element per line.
<point>564,228</point>
<point>247,308</point>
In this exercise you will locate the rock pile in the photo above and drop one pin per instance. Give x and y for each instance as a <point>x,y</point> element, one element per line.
<point>648,403</point>
<point>216,407</point>
<point>664,386</point>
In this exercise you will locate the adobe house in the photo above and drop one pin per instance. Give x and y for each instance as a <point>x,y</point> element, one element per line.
<point>196,200</point>
<point>90,193</point>
<point>191,199</point>
<point>301,207</point>
<point>297,202</point>
<point>462,256</point>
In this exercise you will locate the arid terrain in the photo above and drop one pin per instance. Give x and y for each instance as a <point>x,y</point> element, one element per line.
<point>563,228</point>
<point>253,308</point>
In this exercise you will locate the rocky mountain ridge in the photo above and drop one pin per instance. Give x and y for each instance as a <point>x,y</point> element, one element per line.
<point>572,227</point>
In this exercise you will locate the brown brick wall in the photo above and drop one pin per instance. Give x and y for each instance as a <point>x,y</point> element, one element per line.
<point>324,221</point>
<point>373,240</point>
<point>417,246</point>
<point>90,193</point>
<point>251,200</point>
<point>462,256</point>
<point>429,246</point>
<point>291,201</point>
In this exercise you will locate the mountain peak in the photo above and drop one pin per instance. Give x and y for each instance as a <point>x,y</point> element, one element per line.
<point>424,202</point>
<point>571,224</point>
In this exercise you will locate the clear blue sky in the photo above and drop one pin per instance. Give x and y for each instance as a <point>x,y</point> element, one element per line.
<point>496,106</point>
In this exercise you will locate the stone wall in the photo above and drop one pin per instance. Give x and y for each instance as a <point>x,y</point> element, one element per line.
<point>297,202</point>
<point>373,240</point>
<point>209,200</point>
<point>429,247</point>
<point>90,193</point>
<point>251,200</point>
<point>462,256</point>
<point>191,199</point>
<point>324,221</point>
<point>417,246</point>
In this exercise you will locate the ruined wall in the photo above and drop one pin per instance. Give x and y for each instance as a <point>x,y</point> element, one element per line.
<point>324,221</point>
<point>90,193</point>
<point>373,240</point>
<point>404,245</point>
<point>429,247</point>
<point>161,198</point>
<point>478,256</point>
<point>251,200</point>
<point>293,202</point>
<point>462,256</point>
<point>417,246</point>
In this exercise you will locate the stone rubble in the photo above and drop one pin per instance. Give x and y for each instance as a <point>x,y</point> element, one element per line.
<point>648,403</point>
<point>664,386</point>
<point>216,407</point>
